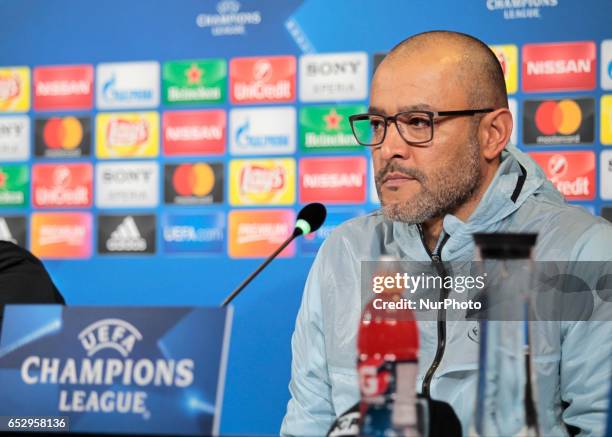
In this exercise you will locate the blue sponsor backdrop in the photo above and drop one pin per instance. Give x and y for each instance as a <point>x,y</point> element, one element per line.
<point>76,32</point>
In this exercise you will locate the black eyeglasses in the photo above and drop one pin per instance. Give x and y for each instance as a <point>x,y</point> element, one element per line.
<point>415,127</point>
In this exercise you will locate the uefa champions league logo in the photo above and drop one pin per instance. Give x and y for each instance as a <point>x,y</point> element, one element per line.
<point>114,334</point>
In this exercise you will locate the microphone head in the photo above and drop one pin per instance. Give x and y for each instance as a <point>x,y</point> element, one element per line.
<point>310,218</point>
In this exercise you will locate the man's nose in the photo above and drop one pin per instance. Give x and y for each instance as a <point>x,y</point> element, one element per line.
<point>394,145</point>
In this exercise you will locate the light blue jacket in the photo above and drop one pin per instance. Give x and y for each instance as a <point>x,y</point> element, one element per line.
<point>578,373</point>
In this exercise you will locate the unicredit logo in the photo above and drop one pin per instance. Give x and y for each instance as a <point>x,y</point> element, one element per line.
<point>262,71</point>
<point>9,87</point>
<point>557,166</point>
<point>121,132</point>
<point>572,172</point>
<point>263,91</point>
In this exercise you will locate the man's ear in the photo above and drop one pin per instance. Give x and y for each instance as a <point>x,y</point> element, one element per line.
<point>494,133</point>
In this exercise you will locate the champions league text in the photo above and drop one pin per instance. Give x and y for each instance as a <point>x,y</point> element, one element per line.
<point>120,336</point>
<point>142,373</point>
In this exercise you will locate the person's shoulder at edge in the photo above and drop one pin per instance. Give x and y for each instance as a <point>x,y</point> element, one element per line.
<point>587,237</point>
<point>23,277</point>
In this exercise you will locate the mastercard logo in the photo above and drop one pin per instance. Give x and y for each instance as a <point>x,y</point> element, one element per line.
<point>558,117</point>
<point>193,179</point>
<point>63,133</point>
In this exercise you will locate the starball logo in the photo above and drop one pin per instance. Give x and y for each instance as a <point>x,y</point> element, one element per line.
<point>229,19</point>
<point>521,9</point>
<point>107,344</point>
<point>262,80</point>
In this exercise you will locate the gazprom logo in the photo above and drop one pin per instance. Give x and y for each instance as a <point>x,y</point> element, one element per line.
<point>245,138</point>
<point>114,334</point>
<point>127,85</point>
<point>113,93</point>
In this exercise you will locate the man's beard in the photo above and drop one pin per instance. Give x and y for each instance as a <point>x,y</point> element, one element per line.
<point>441,192</point>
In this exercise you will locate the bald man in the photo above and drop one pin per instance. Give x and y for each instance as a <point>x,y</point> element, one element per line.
<point>439,128</point>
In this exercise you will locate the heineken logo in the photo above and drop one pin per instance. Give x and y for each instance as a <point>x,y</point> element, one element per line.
<point>197,81</point>
<point>328,127</point>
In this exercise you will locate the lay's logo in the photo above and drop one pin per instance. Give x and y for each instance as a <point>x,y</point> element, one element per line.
<point>125,135</point>
<point>14,89</point>
<point>262,182</point>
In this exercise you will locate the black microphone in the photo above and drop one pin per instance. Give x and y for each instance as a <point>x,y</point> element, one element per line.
<point>309,219</point>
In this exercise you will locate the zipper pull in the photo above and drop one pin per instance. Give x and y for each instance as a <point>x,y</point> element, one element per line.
<point>435,258</point>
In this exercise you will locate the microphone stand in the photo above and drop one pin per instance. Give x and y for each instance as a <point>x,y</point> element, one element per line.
<point>296,232</point>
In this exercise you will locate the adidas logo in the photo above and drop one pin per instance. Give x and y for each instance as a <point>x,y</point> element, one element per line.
<point>5,232</point>
<point>126,238</point>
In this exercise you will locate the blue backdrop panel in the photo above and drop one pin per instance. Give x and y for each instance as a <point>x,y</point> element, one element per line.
<point>35,33</point>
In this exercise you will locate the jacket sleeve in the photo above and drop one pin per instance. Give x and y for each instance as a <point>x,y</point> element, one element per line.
<point>586,367</point>
<point>310,411</point>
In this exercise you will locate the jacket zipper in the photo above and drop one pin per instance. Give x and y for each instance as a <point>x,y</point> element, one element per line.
<point>436,257</point>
